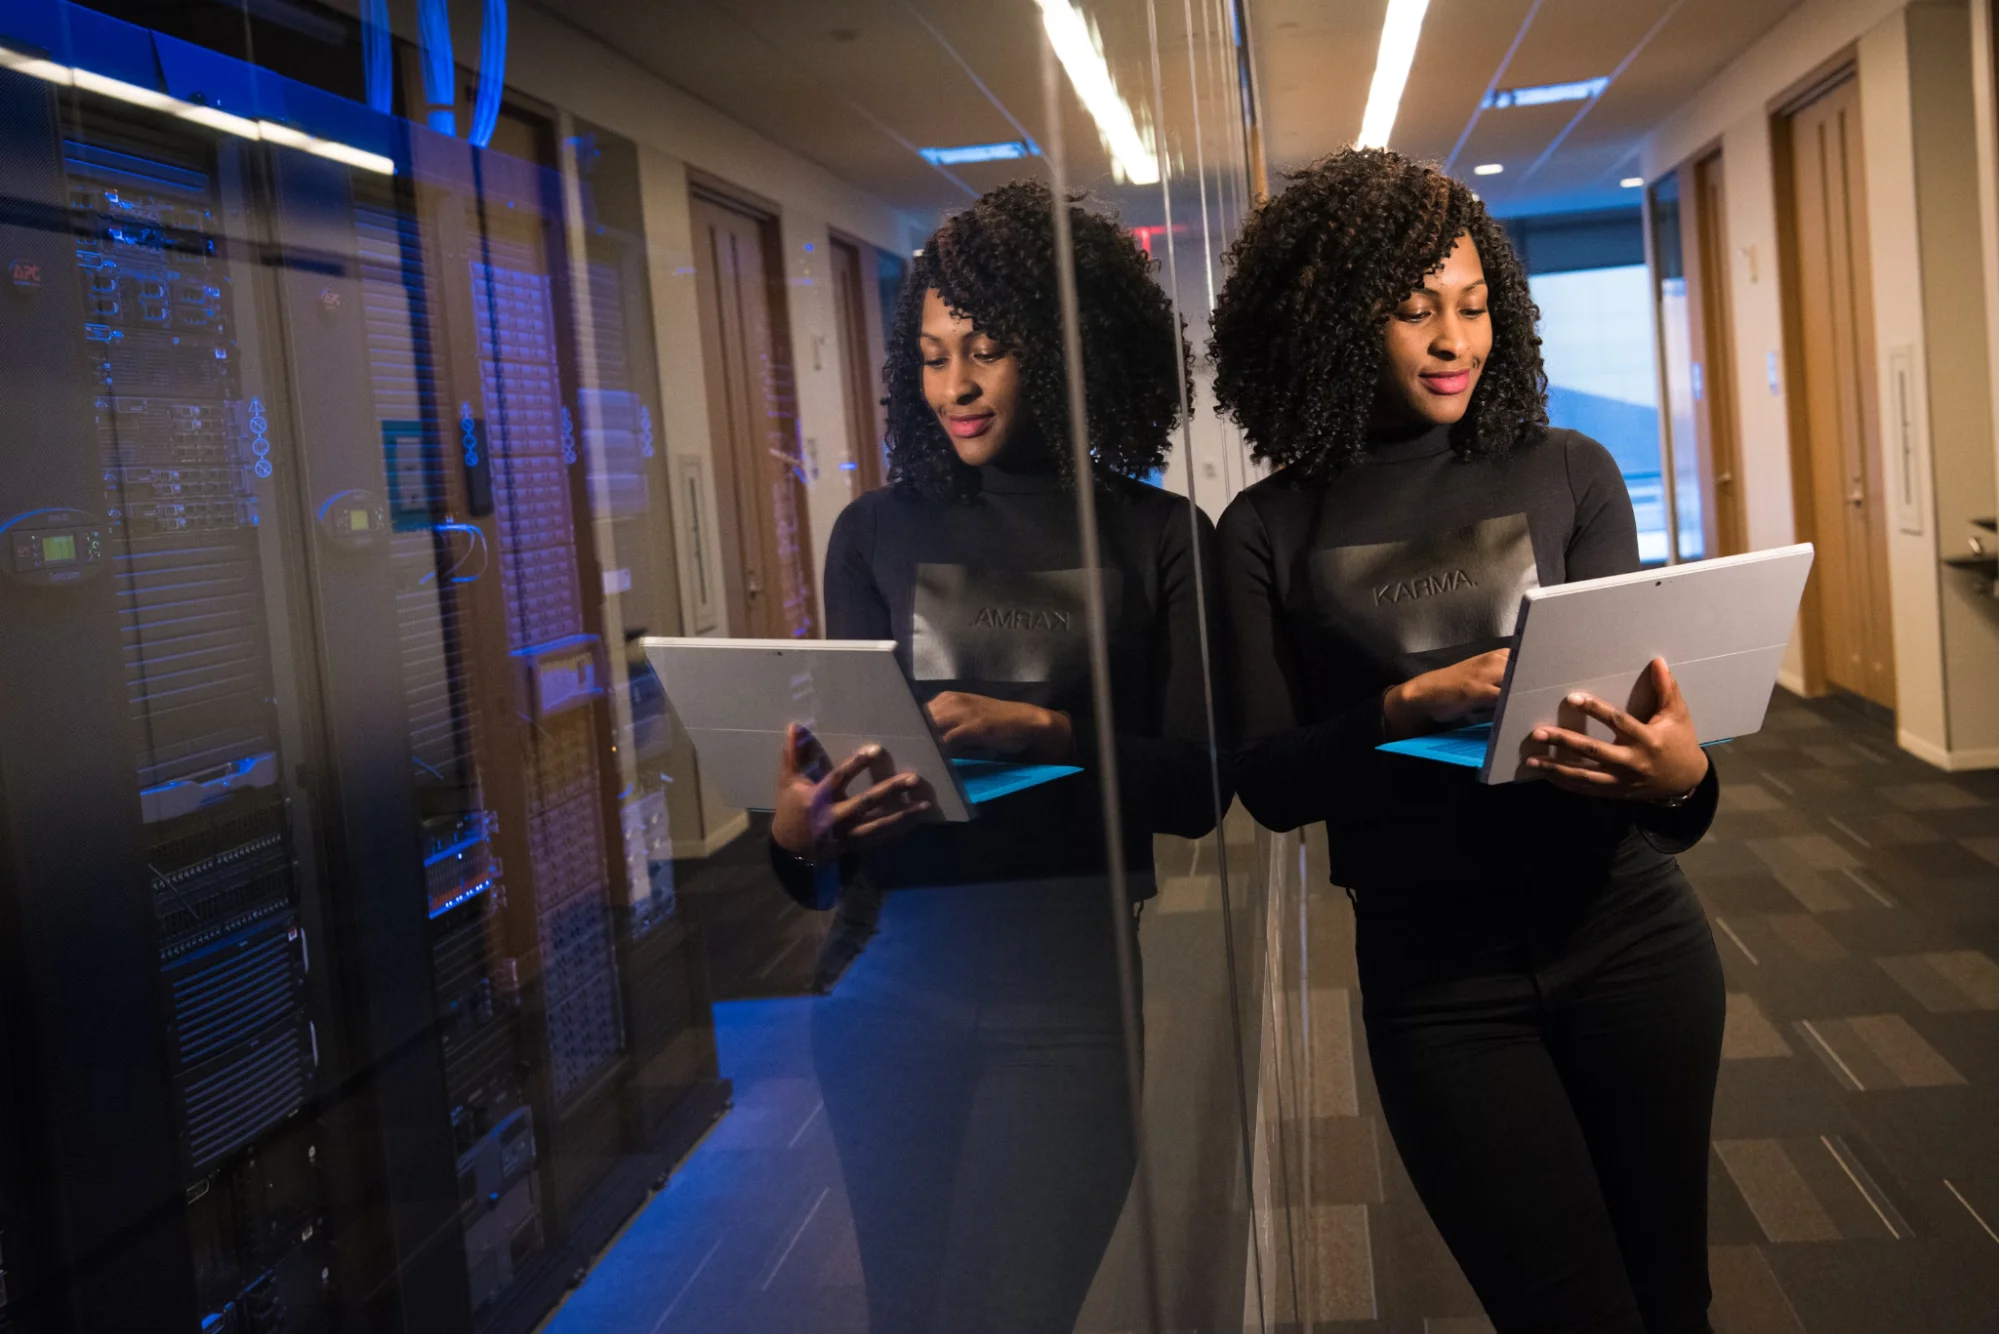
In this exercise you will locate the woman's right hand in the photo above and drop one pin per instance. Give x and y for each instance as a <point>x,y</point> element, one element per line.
<point>816,820</point>
<point>1447,696</point>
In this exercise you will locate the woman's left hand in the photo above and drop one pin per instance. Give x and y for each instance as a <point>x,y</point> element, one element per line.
<point>967,722</point>
<point>1655,760</point>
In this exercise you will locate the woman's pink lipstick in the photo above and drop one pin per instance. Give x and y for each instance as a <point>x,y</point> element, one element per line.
<point>964,428</point>
<point>1445,383</point>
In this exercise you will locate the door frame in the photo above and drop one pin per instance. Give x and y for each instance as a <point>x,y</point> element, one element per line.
<point>860,337</point>
<point>1711,324</point>
<point>712,190</point>
<point>1842,67</point>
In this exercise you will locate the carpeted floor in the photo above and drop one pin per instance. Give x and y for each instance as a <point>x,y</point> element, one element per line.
<point>1854,1181</point>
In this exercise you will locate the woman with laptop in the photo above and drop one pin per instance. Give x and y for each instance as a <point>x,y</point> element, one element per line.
<point>972,1059</point>
<point>1542,996</point>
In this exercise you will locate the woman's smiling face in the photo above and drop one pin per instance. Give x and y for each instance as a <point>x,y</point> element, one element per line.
<point>971,381</point>
<point>1437,342</point>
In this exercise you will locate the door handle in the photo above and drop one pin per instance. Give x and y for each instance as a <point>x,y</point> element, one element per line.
<point>753,583</point>
<point>1725,480</point>
<point>1857,499</point>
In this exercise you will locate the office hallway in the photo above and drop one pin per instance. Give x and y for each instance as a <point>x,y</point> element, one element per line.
<point>1854,1177</point>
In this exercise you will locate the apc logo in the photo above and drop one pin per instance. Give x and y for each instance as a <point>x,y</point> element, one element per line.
<point>25,274</point>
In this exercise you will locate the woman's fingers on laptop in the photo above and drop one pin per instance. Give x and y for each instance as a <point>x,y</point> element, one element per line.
<point>1617,720</point>
<point>886,806</point>
<point>801,755</point>
<point>882,826</point>
<point>868,759</point>
<point>1650,761</point>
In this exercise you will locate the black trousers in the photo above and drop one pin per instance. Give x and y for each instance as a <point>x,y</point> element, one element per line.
<point>1551,1094</point>
<point>972,1065</point>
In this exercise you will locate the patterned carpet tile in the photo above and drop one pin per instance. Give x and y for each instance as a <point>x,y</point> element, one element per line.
<point>1854,893</point>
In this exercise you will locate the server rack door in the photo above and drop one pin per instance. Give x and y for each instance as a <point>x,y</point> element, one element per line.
<point>200,517</point>
<point>171,418</point>
<point>88,1070</point>
<point>459,682</point>
<point>526,381</point>
<point>394,1068</point>
<point>489,227</point>
<point>664,984</point>
<point>388,1017</point>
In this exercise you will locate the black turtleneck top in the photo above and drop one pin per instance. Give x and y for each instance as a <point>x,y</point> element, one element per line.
<point>1411,560</point>
<point>986,595</point>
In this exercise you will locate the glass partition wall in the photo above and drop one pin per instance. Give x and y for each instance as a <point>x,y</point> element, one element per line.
<point>381,950</point>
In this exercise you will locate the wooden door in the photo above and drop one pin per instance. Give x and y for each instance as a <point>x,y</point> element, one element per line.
<point>1724,526</point>
<point>1836,443</point>
<point>752,416</point>
<point>859,368</point>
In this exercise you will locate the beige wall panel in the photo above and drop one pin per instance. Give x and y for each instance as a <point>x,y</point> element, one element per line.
<point>1959,399</point>
<point>1898,324</point>
<point>822,397</point>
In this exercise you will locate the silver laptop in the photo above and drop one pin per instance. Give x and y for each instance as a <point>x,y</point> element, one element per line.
<point>1721,625</point>
<point>735,699</point>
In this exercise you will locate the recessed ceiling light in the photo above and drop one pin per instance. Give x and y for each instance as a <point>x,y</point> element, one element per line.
<point>962,153</point>
<point>1542,94</point>
<point>1488,169</point>
<point>1632,182</point>
<point>1400,28</point>
<point>1081,52</point>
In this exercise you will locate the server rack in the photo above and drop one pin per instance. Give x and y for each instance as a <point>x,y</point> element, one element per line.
<point>495,250</point>
<point>307,505</point>
<point>133,318</point>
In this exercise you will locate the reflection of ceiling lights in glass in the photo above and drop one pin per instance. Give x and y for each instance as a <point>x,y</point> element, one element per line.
<point>1542,94</point>
<point>1081,52</point>
<point>963,153</point>
<point>1488,169</point>
<point>1399,31</point>
<point>1632,182</point>
<point>212,117</point>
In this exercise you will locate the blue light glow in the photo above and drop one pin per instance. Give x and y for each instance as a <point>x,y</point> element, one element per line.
<point>461,897</point>
<point>492,73</point>
<point>952,157</point>
<point>459,849</point>
<point>1542,94</point>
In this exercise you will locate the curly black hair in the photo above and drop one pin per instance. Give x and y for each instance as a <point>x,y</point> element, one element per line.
<point>994,264</point>
<point>1298,329</point>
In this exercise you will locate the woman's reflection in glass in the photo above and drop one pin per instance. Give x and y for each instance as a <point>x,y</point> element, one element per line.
<point>971,1058</point>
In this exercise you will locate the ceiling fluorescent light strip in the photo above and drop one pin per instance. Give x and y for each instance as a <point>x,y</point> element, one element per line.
<point>272,132</point>
<point>963,153</point>
<point>1400,28</point>
<point>336,151</point>
<point>219,120</point>
<point>125,92</point>
<point>212,117</point>
<point>1081,52</point>
<point>36,67</point>
<point>1543,94</point>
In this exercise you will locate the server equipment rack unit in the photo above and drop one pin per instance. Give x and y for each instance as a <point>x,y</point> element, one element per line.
<point>318,875</point>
